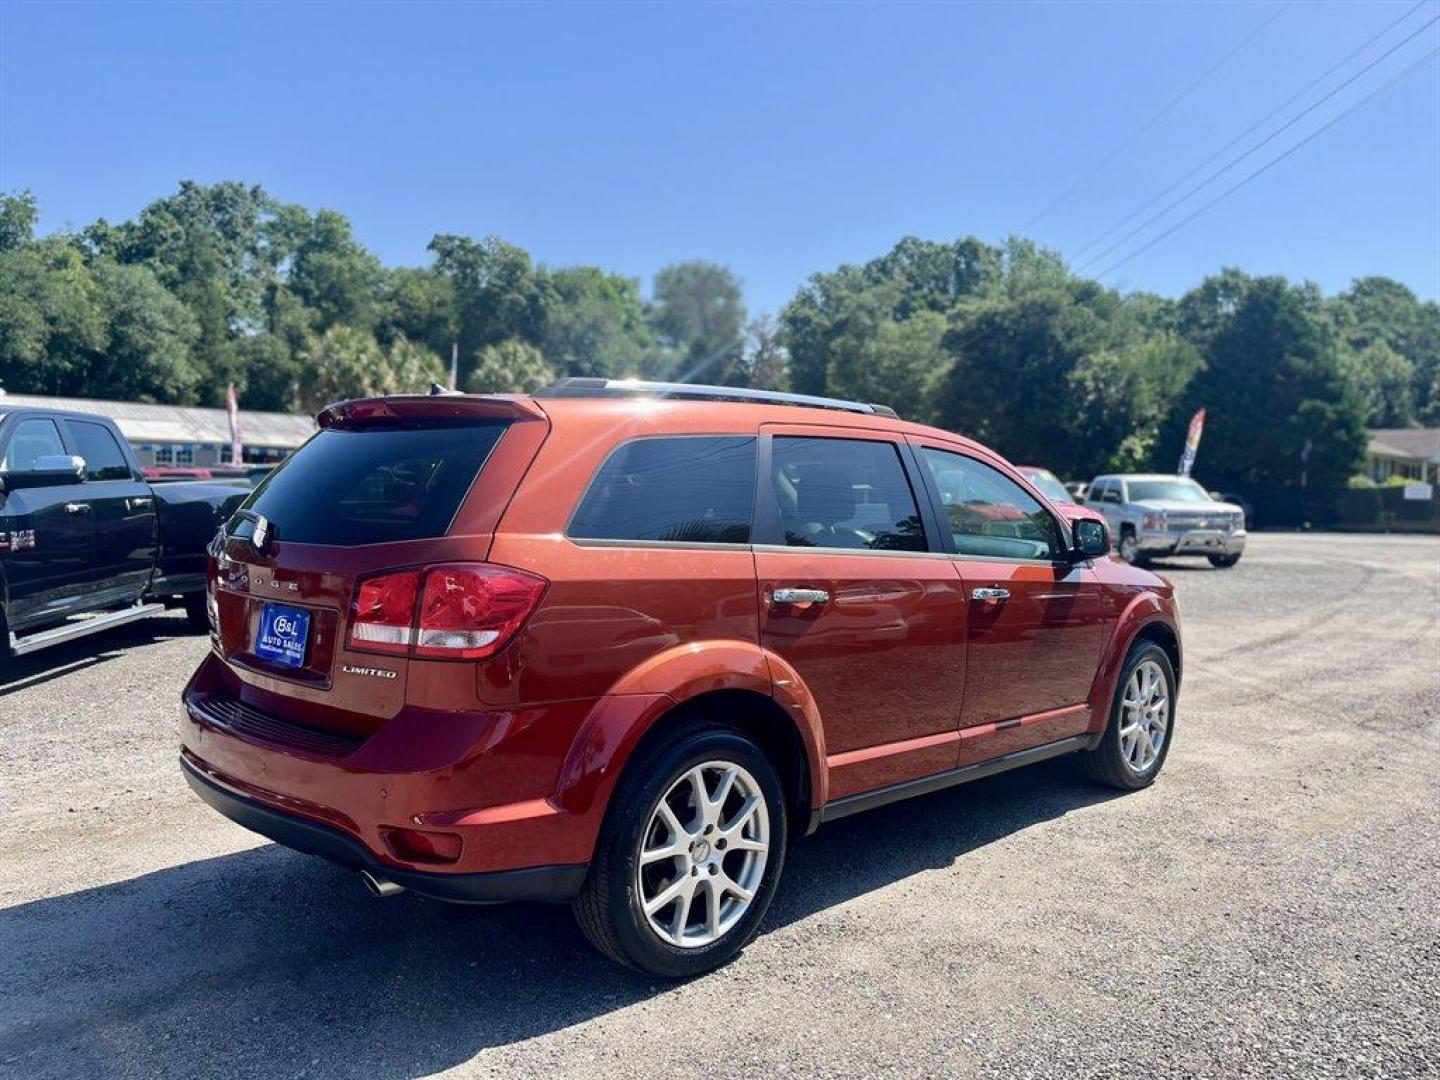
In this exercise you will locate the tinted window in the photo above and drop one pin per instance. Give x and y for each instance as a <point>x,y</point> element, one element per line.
<point>844,493</point>
<point>989,513</point>
<point>375,485</point>
<point>104,460</point>
<point>697,489</point>
<point>32,439</point>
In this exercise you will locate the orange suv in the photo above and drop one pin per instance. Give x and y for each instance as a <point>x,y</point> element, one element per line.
<point>619,644</point>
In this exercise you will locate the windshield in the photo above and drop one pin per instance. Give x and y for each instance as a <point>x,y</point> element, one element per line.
<point>1177,490</point>
<point>1048,484</point>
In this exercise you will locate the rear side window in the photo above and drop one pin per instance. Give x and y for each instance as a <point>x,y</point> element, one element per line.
<point>697,489</point>
<point>375,485</point>
<point>104,460</point>
<point>844,493</point>
<point>33,439</point>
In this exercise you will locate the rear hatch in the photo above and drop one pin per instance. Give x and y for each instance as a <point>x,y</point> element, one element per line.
<point>386,485</point>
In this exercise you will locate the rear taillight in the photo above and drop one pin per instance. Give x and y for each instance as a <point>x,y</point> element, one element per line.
<point>383,616</point>
<point>465,612</point>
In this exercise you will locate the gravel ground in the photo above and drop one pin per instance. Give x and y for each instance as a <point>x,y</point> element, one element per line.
<point>1268,908</point>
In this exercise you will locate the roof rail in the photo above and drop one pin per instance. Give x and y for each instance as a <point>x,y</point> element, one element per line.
<point>579,387</point>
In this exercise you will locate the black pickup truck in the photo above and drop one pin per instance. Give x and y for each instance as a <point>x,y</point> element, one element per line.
<point>85,543</point>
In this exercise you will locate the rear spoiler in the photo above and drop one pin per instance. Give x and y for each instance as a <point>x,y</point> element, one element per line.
<point>363,411</point>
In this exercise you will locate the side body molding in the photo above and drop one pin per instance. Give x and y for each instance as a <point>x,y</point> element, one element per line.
<point>648,691</point>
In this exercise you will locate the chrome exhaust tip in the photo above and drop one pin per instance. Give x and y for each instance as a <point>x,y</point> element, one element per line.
<point>379,886</point>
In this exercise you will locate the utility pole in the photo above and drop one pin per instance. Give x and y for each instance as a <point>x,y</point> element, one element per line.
<point>454,365</point>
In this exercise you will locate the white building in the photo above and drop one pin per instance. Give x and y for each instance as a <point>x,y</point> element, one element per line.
<point>186,434</point>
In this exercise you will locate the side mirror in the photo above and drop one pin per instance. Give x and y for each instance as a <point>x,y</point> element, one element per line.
<point>1092,539</point>
<point>1091,534</point>
<point>49,470</point>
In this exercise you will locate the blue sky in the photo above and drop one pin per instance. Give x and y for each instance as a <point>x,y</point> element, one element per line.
<point>780,140</point>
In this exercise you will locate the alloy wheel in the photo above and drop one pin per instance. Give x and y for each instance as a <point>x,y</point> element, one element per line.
<point>703,854</point>
<point>1144,716</point>
<point>1129,548</point>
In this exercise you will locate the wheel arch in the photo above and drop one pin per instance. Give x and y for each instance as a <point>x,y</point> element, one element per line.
<point>1149,617</point>
<point>732,682</point>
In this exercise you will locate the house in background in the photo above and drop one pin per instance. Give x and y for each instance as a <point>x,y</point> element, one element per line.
<point>1411,453</point>
<point>188,435</point>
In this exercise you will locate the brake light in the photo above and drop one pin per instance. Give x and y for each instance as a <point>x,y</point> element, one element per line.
<point>465,612</point>
<point>383,616</point>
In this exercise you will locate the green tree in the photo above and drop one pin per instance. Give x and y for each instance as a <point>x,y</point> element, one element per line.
<point>52,319</point>
<point>1378,311</point>
<point>594,323</point>
<point>18,215</point>
<point>208,245</point>
<point>510,367</point>
<point>699,317</point>
<point>418,304</point>
<point>766,361</point>
<point>333,275</point>
<point>147,352</point>
<point>1272,385</point>
<point>896,363</point>
<point>1013,375</point>
<point>1384,381</point>
<point>499,294</point>
<point>344,363</point>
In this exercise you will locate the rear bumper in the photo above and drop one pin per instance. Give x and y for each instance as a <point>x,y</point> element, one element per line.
<point>1194,542</point>
<point>490,778</point>
<point>561,882</point>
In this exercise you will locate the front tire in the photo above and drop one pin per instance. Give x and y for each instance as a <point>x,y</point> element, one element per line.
<point>1142,722</point>
<point>689,857</point>
<point>1130,548</point>
<point>1223,562</point>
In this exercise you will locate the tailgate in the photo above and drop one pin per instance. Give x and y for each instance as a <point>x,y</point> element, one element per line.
<point>385,492</point>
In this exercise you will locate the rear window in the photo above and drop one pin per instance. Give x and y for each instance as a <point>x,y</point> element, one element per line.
<point>375,485</point>
<point>104,460</point>
<point>697,489</point>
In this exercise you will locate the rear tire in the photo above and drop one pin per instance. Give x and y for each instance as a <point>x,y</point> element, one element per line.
<point>720,846</point>
<point>1131,753</point>
<point>1223,562</point>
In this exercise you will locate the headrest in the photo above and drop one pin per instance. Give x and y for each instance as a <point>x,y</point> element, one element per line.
<point>826,495</point>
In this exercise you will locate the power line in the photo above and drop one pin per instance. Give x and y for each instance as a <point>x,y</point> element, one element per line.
<point>1258,124</point>
<point>1165,111</point>
<point>1256,146</point>
<point>1272,162</point>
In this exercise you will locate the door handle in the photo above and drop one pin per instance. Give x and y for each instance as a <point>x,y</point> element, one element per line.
<point>77,508</point>
<point>987,595</point>
<point>800,596</point>
<point>140,504</point>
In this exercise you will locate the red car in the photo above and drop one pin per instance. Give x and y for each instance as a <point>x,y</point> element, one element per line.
<point>621,644</point>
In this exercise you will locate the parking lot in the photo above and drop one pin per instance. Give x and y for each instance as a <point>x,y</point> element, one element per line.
<point>1269,907</point>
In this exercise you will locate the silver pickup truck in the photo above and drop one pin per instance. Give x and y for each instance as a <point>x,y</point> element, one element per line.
<point>1153,516</point>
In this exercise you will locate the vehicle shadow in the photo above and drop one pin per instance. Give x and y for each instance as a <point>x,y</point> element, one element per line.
<point>57,661</point>
<point>270,963</point>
